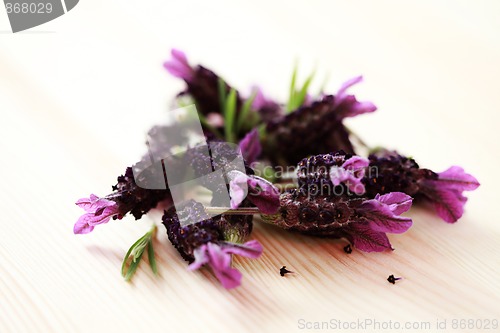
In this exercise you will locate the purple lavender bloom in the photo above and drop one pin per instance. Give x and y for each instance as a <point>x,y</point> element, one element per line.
<point>267,108</point>
<point>445,192</point>
<point>179,66</point>
<point>210,241</point>
<point>315,128</point>
<point>261,193</point>
<point>218,257</point>
<point>348,104</point>
<point>250,146</point>
<point>333,173</point>
<point>364,222</point>
<point>97,211</point>
<point>202,84</point>
<point>351,173</point>
<point>389,171</point>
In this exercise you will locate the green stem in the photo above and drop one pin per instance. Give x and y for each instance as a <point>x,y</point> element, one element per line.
<point>229,211</point>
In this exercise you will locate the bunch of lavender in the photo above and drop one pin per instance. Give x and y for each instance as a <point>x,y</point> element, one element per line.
<point>338,194</point>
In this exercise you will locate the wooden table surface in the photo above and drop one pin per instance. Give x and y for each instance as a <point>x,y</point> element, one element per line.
<point>78,94</point>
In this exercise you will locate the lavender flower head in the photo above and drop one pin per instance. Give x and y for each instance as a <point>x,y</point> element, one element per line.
<point>316,127</point>
<point>97,211</point>
<point>332,173</point>
<point>390,171</point>
<point>340,214</point>
<point>206,242</point>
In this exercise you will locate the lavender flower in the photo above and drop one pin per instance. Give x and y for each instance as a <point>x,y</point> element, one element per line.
<point>390,171</point>
<point>209,242</point>
<point>322,173</point>
<point>261,193</point>
<point>364,222</point>
<point>179,66</point>
<point>126,198</point>
<point>316,128</point>
<point>348,105</point>
<point>97,211</point>
<point>250,146</point>
<point>202,84</point>
<point>267,108</point>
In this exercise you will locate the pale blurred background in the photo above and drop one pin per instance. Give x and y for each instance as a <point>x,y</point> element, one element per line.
<point>78,94</point>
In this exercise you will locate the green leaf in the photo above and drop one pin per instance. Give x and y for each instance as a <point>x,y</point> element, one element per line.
<point>242,117</point>
<point>151,257</point>
<point>132,268</point>
<point>221,85</point>
<point>301,95</point>
<point>292,89</point>
<point>134,254</point>
<point>229,116</point>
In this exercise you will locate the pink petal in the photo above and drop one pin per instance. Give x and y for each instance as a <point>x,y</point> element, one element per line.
<point>250,146</point>
<point>356,163</point>
<point>82,226</point>
<point>251,249</point>
<point>178,66</point>
<point>446,192</point>
<point>260,100</point>
<point>456,178</point>
<point>103,216</point>
<point>200,258</point>
<point>397,202</point>
<point>261,193</point>
<point>346,85</point>
<point>449,205</point>
<point>364,238</point>
<point>237,187</point>
<point>180,56</point>
<point>220,262</point>
<point>381,218</point>
<point>350,173</point>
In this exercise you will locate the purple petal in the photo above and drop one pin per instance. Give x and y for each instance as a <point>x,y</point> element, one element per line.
<point>456,178</point>
<point>397,202</point>
<point>346,85</point>
<point>220,262</point>
<point>382,218</point>
<point>178,66</point>
<point>350,173</point>
<point>364,238</point>
<point>180,56</point>
<point>94,203</point>
<point>450,206</point>
<point>250,146</point>
<point>82,226</point>
<point>238,187</point>
<point>251,249</point>
<point>103,215</point>
<point>356,163</point>
<point>445,192</point>
<point>98,211</point>
<point>261,193</point>
<point>259,100</point>
<point>348,105</point>
<point>200,257</point>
